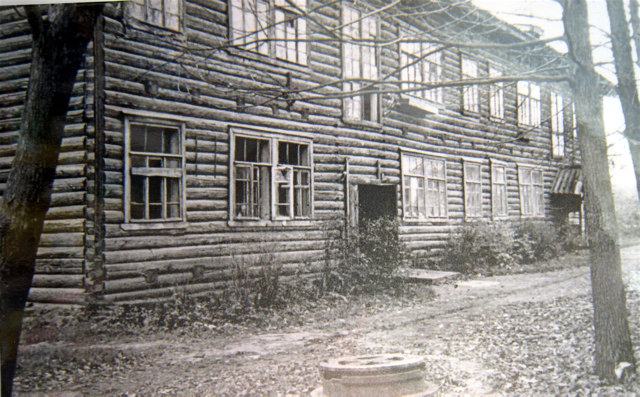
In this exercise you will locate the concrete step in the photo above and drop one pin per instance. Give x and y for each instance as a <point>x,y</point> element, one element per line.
<point>426,275</point>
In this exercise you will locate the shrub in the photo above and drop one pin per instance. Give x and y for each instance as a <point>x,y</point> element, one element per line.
<point>536,241</point>
<point>479,246</point>
<point>483,247</point>
<point>362,260</point>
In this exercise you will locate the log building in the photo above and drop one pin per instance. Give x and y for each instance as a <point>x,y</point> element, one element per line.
<point>202,133</point>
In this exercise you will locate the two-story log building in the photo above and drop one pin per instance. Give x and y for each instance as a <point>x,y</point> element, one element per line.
<point>203,132</point>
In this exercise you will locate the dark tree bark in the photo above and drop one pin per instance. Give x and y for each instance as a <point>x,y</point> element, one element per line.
<point>627,87</point>
<point>60,39</point>
<point>612,337</point>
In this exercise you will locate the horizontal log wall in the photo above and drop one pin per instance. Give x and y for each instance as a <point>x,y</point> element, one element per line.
<point>60,263</point>
<point>202,91</point>
<point>193,78</point>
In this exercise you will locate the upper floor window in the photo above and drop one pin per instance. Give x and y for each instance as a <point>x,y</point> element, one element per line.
<point>270,27</point>
<point>164,13</point>
<point>154,172</point>
<point>470,92</point>
<point>531,191</point>
<point>557,125</point>
<point>421,64</point>
<point>425,187</point>
<point>271,178</point>
<point>499,190</point>
<point>528,103</point>
<point>360,65</point>
<point>496,95</point>
<point>472,189</point>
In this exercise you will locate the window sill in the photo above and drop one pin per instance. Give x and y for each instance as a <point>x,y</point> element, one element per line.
<point>427,221</point>
<point>158,30</point>
<point>418,107</point>
<point>270,223</point>
<point>154,225</point>
<point>362,123</point>
<point>279,62</point>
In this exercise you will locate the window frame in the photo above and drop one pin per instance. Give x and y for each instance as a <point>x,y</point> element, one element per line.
<point>268,40</point>
<point>426,59</point>
<point>529,104</point>
<point>143,14</point>
<point>558,141</point>
<point>162,123</point>
<point>470,94</point>
<point>496,95</point>
<point>531,193</point>
<point>274,167</point>
<point>366,106</point>
<point>503,186</point>
<point>469,212</point>
<point>443,208</point>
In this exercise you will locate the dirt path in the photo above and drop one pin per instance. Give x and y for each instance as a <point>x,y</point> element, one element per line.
<point>285,363</point>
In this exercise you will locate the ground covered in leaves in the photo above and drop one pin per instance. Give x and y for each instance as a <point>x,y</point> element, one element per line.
<point>524,334</point>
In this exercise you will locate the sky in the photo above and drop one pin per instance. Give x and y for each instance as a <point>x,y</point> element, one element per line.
<point>547,14</point>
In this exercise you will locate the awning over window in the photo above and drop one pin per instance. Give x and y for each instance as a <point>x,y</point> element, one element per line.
<point>568,181</point>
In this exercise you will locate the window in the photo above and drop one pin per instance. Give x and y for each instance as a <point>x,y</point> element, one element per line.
<point>472,189</point>
<point>270,27</point>
<point>360,64</point>
<point>164,13</point>
<point>470,93</point>
<point>155,172</point>
<point>499,190</point>
<point>496,95</point>
<point>424,184</point>
<point>271,178</point>
<point>557,125</point>
<point>421,64</point>
<point>528,102</point>
<point>531,191</point>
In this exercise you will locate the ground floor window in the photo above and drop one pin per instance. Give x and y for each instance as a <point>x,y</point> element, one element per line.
<point>424,186</point>
<point>272,177</point>
<point>472,189</point>
<point>499,190</point>
<point>531,191</point>
<point>154,172</point>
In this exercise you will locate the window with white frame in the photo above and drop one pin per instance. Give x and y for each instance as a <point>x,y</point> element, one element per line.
<point>496,95</point>
<point>164,13</point>
<point>557,125</point>
<point>421,64</point>
<point>470,92</point>
<point>531,191</point>
<point>425,186</point>
<point>499,190</point>
<point>270,27</point>
<point>154,172</point>
<point>272,177</point>
<point>528,103</point>
<point>360,65</point>
<point>472,189</point>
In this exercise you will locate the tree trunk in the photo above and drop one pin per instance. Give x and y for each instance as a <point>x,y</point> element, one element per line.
<point>59,42</point>
<point>612,337</point>
<point>627,88</point>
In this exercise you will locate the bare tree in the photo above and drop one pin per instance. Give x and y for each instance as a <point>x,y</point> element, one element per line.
<point>612,337</point>
<point>60,38</point>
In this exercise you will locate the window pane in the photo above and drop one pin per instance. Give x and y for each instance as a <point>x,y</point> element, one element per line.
<point>155,189</point>
<point>137,188</point>
<point>171,141</point>
<point>137,137</point>
<point>154,140</point>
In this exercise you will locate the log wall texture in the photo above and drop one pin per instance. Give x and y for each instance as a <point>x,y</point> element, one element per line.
<point>194,79</point>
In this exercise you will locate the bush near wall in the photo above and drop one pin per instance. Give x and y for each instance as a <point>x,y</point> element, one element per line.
<point>480,247</point>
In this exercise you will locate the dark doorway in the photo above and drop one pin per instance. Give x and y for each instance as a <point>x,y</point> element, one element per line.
<point>376,201</point>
